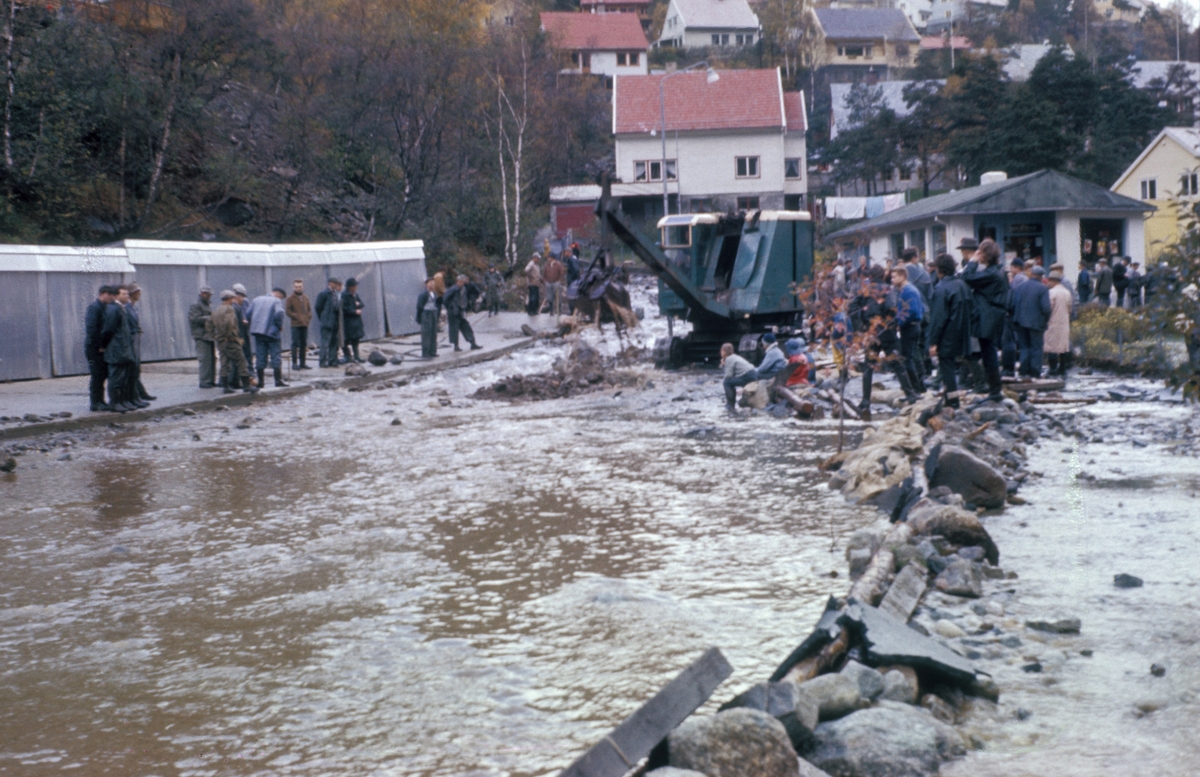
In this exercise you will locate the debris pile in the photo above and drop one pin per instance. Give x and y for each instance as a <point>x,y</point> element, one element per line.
<point>583,371</point>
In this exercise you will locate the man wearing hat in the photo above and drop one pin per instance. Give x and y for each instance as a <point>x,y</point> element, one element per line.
<point>226,331</point>
<point>989,296</point>
<point>329,314</point>
<point>798,357</point>
<point>199,315</point>
<point>1104,282</point>
<point>1008,340</point>
<point>773,361</point>
<point>138,392</point>
<point>93,323</point>
<point>266,314</point>
<point>352,309</point>
<point>1057,343</point>
<point>967,247</point>
<point>1029,306</point>
<point>240,304</point>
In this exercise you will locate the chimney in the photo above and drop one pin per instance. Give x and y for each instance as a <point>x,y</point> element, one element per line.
<point>994,176</point>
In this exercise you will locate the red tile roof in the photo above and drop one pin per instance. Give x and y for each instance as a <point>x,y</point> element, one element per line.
<point>595,31</point>
<point>586,3</point>
<point>793,110</point>
<point>740,99</point>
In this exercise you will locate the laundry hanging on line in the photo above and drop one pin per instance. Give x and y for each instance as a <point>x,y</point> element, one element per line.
<point>862,207</point>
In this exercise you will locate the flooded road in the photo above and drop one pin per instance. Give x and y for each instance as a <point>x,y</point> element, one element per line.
<point>484,589</point>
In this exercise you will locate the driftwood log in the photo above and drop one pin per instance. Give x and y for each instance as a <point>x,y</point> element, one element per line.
<point>801,405</point>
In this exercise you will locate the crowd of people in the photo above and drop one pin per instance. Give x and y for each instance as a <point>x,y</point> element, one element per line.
<point>950,323</point>
<point>1121,283</point>
<point>112,344</point>
<point>554,275</point>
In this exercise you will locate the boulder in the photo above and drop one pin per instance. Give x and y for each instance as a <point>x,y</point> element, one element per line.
<point>355,369</point>
<point>8,465</point>
<point>755,395</point>
<point>1127,581</point>
<point>891,740</point>
<point>961,578</point>
<point>835,694</point>
<point>938,707</point>
<point>948,629</point>
<point>1061,626</point>
<point>956,525</point>
<point>901,687</point>
<point>734,743</point>
<point>870,681</point>
<point>808,770</point>
<point>377,358</point>
<point>796,710</point>
<point>966,474</point>
<point>396,360</point>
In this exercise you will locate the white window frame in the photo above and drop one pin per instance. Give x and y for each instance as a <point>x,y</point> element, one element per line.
<point>747,167</point>
<point>799,168</point>
<point>750,201</point>
<point>644,170</point>
<point>1150,189</point>
<point>1190,181</point>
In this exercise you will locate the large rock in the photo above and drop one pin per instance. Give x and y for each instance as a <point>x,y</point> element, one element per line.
<point>900,686</point>
<point>891,740</point>
<point>835,694</point>
<point>377,358</point>
<point>965,473</point>
<point>930,518</point>
<point>870,681</point>
<point>732,744</point>
<point>797,710</point>
<point>755,395</point>
<point>961,578</point>
<point>354,370</point>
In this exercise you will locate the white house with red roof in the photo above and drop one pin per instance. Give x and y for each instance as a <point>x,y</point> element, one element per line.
<point>606,44</point>
<point>735,143</point>
<point>693,24</point>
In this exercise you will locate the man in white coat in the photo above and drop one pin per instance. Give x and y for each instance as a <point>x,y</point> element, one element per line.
<point>1058,331</point>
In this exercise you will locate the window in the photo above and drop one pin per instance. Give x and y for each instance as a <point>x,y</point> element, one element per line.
<point>620,58</point>
<point>747,166</point>
<point>791,168</point>
<point>652,170</point>
<point>1150,189</point>
<point>904,173</point>
<point>720,39</point>
<point>634,57</point>
<point>744,40</point>
<point>916,239</point>
<point>897,244</point>
<point>747,203</point>
<point>854,52</point>
<point>939,239</point>
<point>716,39</point>
<point>1190,185</point>
<point>677,236</point>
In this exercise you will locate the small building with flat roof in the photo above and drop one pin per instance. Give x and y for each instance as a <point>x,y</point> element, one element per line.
<point>1047,214</point>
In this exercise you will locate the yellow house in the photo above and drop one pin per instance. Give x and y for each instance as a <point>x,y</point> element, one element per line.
<point>1166,174</point>
<point>866,44</point>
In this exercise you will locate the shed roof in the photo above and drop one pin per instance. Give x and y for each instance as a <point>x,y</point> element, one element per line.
<point>179,252</point>
<point>794,112</point>
<point>594,31</point>
<point>867,23</point>
<point>740,99</point>
<point>1045,190</point>
<point>32,258</point>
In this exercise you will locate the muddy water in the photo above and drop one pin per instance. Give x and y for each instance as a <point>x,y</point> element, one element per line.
<point>484,589</point>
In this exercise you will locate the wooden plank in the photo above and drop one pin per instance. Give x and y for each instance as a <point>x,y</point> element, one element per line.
<point>637,735</point>
<point>1035,385</point>
<point>902,598</point>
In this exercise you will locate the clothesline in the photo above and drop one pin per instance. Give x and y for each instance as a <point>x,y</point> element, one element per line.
<point>862,207</point>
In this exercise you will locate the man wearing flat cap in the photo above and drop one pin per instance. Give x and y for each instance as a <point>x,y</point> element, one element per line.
<point>199,316</point>
<point>1029,306</point>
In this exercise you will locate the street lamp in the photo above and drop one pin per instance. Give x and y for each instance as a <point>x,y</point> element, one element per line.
<point>711,78</point>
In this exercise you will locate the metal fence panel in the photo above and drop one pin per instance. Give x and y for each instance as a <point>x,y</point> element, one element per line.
<point>370,288</point>
<point>403,282</point>
<point>67,296</point>
<point>167,293</point>
<point>25,343</point>
<point>223,276</point>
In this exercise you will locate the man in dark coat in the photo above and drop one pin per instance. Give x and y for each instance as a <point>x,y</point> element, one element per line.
<point>494,283</point>
<point>93,323</point>
<point>1009,350</point>
<point>1084,284</point>
<point>1030,306</point>
<point>199,315</point>
<point>949,325</point>
<point>989,296</point>
<point>116,338</point>
<point>429,311</point>
<point>457,308</point>
<point>329,307</point>
<point>352,308</point>
<point>141,397</point>
<point>1104,282</point>
<point>1120,271</point>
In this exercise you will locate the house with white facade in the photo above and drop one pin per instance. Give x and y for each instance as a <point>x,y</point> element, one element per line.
<point>692,24</point>
<point>951,13</point>
<point>734,143</point>
<point>1047,214</point>
<point>604,44</point>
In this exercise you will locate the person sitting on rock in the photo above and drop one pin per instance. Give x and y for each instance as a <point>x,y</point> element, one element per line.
<point>801,359</point>
<point>773,360</point>
<point>738,372</point>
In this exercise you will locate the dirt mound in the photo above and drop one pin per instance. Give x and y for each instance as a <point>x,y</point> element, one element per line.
<point>583,371</point>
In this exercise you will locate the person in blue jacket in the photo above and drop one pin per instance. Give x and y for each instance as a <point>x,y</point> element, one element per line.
<point>1030,309</point>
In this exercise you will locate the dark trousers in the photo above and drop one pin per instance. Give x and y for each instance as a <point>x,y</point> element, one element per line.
<point>1059,362</point>
<point>429,324</point>
<point>120,377</point>
<point>460,324</point>
<point>206,355</point>
<point>233,362</point>
<point>948,372</point>
<point>910,354</point>
<point>535,301</point>
<point>328,353</point>
<point>1030,342</point>
<point>1008,349</point>
<point>299,345</point>
<point>493,303</point>
<point>268,352</point>
<point>351,347</point>
<point>733,384</point>
<point>98,368</point>
<point>991,365</point>
<point>248,352</point>
<point>1102,299</point>
<point>1120,298</point>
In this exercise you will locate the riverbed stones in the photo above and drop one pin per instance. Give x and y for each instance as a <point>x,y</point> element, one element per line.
<point>954,524</point>
<point>870,681</point>
<point>355,370</point>
<point>966,474</point>
<point>8,465</point>
<point>1060,626</point>
<point>938,707</point>
<point>960,578</point>
<point>797,710</point>
<point>900,686</point>
<point>835,694</point>
<point>948,629</point>
<point>890,740</point>
<point>1127,581</point>
<point>377,358</point>
<point>734,743</point>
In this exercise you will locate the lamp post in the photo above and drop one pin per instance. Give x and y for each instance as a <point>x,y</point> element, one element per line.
<point>711,78</point>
